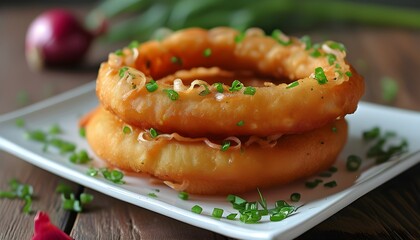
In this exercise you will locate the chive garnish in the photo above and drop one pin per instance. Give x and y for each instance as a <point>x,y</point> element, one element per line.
<point>133,44</point>
<point>295,197</point>
<point>172,94</point>
<point>320,75</point>
<point>196,209</point>
<point>152,86</point>
<point>313,184</point>
<point>231,216</point>
<point>217,212</point>
<point>337,46</point>
<point>389,89</point>
<point>92,172</point>
<point>207,52</point>
<point>114,176</point>
<point>239,38</point>
<point>153,133</point>
<point>292,84</point>
<point>353,163</point>
<point>176,60</point>
<point>126,130</point>
<point>349,74</point>
<point>183,195</point>
<point>20,122</point>
<point>82,132</point>
<point>80,157</point>
<point>225,145</point>
<point>240,123</point>
<point>219,87</point>
<point>119,52</point>
<point>334,129</point>
<point>372,133</point>
<point>331,58</point>
<point>250,91</point>
<point>316,53</point>
<point>333,169</point>
<point>21,191</point>
<point>330,184</point>
<point>69,201</point>
<point>281,38</point>
<point>236,86</point>
<point>36,135</point>
<point>153,195</point>
<point>122,71</point>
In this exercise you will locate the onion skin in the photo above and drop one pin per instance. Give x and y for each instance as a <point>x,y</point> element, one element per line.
<point>56,38</point>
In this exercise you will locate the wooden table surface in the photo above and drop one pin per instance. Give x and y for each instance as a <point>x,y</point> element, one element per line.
<point>389,212</point>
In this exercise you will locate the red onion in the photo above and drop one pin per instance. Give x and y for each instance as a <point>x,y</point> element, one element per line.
<point>45,230</point>
<point>56,38</point>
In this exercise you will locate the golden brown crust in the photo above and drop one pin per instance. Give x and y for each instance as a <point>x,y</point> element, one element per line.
<point>272,110</point>
<point>212,171</point>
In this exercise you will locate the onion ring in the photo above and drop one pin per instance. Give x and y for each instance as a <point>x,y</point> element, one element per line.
<point>197,168</point>
<point>300,104</point>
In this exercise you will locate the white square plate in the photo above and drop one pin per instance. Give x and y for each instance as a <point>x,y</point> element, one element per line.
<point>316,204</point>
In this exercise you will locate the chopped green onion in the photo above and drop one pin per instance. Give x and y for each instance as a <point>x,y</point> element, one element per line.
<point>82,132</point>
<point>217,212</point>
<point>126,130</point>
<point>334,129</point>
<point>119,52</point>
<point>239,38</point>
<point>250,91</point>
<point>231,216</point>
<point>225,145</point>
<point>313,184</point>
<point>236,86</point>
<point>278,217</point>
<point>219,87</point>
<point>330,184</point>
<point>292,84</point>
<point>92,172</point>
<point>80,157</point>
<point>333,169</point>
<point>331,58</point>
<point>183,195</point>
<point>372,133</point>
<point>196,209</point>
<point>295,197</point>
<point>206,90</point>
<point>307,41</point>
<point>133,44</point>
<point>316,53</point>
<point>336,45</point>
<point>114,176</point>
<point>207,52</point>
<point>320,75</point>
<point>27,207</point>
<point>240,123</point>
<point>122,71</point>
<point>20,122</point>
<point>353,163</point>
<point>63,189</point>
<point>153,132</point>
<point>153,195</point>
<point>36,135</point>
<point>86,198</point>
<point>152,86</point>
<point>281,38</point>
<point>55,129</point>
<point>9,195</point>
<point>172,94</point>
<point>176,60</point>
<point>349,74</point>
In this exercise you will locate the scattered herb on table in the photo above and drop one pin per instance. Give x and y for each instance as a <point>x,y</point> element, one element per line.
<point>20,191</point>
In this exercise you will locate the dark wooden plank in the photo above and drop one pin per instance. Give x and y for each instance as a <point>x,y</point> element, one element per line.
<point>110,218</point>
<point>14,224</point>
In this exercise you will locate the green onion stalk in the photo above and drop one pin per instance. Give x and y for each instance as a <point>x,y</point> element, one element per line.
<point>139,19</point>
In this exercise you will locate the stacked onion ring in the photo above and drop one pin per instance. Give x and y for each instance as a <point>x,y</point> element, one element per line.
<point>219,111</point>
